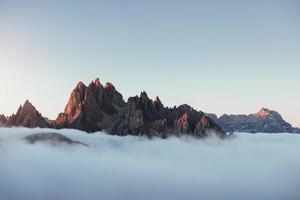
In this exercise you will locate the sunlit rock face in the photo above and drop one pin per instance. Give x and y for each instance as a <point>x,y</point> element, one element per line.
<point>96,107</point>
<point>265,120</point>
<point>91,108</point>
<point>28,116</point>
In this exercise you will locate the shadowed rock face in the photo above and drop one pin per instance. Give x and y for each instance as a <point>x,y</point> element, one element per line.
<point>96,107</point>
<point>52,138</point>
<point>28,116</point>
<point>265,120</point>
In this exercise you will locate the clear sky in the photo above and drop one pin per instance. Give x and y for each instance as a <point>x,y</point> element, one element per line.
<point>217,56</point>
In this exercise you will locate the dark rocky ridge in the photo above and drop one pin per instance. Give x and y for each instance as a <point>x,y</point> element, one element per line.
<point>143,116</point>
<point>265,121</point>
<point>96,107</point>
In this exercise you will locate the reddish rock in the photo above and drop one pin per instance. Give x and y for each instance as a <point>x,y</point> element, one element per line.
<point>91,108</point>
<point>28,116</point>
<point>183,124</point>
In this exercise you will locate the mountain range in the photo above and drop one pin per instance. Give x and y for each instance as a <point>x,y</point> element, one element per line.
<point>100,107</point>
<point>264,121</point>
<point>96,107</point>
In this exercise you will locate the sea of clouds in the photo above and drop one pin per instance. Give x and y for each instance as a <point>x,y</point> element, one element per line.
<point>251,166</point>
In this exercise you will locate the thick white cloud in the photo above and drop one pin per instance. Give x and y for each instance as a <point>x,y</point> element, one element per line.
<point>260,166</point>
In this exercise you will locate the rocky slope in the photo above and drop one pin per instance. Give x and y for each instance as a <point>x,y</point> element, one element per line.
<point>27,116</point>
<point>3,120</point>
<point>265,120</point>
<point>96,107</point>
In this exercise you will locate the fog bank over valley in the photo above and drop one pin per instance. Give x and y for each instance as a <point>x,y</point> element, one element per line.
<point>76,165</point>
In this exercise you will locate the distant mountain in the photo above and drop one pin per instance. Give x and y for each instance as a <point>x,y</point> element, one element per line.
<point>265,120</point>
<point>28,116</point>
<point>99,107</point>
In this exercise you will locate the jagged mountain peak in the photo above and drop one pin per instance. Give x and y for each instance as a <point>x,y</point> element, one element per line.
<point>156,99</point>
<point>95,84</point>
<point>28,116</point>
<point>157,102</point>
<point>28,105</point>
<point>87,106</point>
<point>144,94</point>
<point>27,102</point>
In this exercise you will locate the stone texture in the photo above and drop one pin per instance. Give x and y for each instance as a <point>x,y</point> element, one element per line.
<point>143,116</point>
<point>91,108</point>
<point>28,116</point>
<point>95,107</point>
<point>3,120</point>
<point>265,120</point>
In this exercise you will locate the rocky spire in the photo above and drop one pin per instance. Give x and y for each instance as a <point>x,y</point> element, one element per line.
<point>28,116</point>
<point>97,82</point>
<point>90,108</point>
<point>157,103</point>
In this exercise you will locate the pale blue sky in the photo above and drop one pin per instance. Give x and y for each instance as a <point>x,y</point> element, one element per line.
<point>218,56</point>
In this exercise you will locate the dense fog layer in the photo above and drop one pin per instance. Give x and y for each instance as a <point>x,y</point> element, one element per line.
<point>252,166</point>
